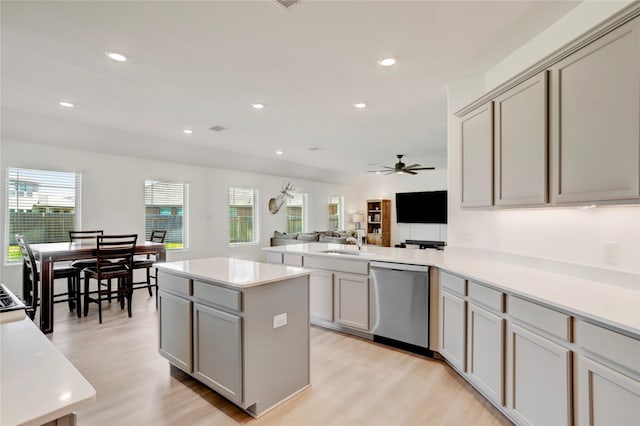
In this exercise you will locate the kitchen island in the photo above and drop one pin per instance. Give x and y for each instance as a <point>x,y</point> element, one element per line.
<point>240,327</point>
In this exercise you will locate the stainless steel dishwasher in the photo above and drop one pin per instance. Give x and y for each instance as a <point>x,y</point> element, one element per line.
<point>400,306</point>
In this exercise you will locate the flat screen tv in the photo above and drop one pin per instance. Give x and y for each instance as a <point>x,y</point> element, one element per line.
<point>421,207</point>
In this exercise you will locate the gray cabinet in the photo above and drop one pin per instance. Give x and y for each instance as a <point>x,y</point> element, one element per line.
<point>477,157</point>
<point>452,330</point>
<point>485,349</point>
<point>520,128</point>
<point>175,330</point>
<point>595,120</point>
<point>321,295</point>
<point>351,300</point>
<point>538,379</point>
<point>217,342</point>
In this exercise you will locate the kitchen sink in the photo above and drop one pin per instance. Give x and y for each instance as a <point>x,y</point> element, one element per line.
<point>349,252</point>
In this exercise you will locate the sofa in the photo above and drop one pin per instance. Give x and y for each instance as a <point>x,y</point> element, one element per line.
<point>282,238</point>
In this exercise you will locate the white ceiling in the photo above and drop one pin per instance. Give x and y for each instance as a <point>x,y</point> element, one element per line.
<point>199,64</point>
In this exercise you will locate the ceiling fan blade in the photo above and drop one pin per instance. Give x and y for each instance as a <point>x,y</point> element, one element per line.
<point>390,173</point>
<point>413,166</point>
<point>411,172</point>
<point>423,168</point>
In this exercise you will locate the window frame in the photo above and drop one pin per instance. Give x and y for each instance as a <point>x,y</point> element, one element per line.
<point>185,213</point>
<point>340,212</point>
<point>304,216</point>
<point>255,217</point>
<point>77,207</point>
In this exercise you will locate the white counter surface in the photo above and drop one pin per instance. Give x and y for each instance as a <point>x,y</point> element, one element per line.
<point>608,304</point>
<point>233,272</point>
<point>37,383</point>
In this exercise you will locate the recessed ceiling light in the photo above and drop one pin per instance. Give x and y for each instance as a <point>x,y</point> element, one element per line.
<point>360,105</point>
<point>279,152</point>
<point>118,57</point>
<point>258,106</point>
<point>66,104</point>
<point>387,62</point>
<point>187,131</point>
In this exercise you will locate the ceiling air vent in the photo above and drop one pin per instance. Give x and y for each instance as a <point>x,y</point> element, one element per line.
<point>287,3</point>
<point>217,128</point>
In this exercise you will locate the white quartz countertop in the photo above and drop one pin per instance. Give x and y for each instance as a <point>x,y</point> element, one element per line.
<point>37,383</point>
<point>232,272</point>
<point>611,305</point>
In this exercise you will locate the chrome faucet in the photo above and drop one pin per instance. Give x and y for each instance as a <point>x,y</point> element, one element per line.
<point>356,240</point>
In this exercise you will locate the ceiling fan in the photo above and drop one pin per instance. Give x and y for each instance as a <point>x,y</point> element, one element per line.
<point>401,168</point>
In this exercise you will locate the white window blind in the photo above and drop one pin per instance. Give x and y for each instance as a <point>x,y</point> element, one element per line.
<point>242,216</point>
<point>296,208</point>
<point>164,208</point>
<point>43,205</point>
<point>336,212</point>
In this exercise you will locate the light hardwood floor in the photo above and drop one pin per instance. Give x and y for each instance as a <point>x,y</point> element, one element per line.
<point>353,381</point>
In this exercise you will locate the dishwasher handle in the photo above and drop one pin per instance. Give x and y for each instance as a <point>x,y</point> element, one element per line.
<point>399,266</point>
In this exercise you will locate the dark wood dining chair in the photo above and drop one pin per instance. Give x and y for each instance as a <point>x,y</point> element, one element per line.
<point>157,236</point>
<point>114,255</point>
<point>31,280</point>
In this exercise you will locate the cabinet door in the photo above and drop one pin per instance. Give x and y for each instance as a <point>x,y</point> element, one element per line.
<point>477,157</point>
<point>453,329</point>
<point>596,114</point>
<point>321,295</point>
<point>538,379</point>
<point>485,349</point>
<point>606,397</point>
<point>217,345</point>
<point>351,300</point>
<point>175,330</point>
<point>521,143</point>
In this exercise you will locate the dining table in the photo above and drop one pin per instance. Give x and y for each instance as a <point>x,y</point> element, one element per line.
<point>49,253</point>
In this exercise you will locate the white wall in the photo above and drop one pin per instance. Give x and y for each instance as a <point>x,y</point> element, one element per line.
<point>113,198</point>
<point>386,186</point>
<point>569,235</point>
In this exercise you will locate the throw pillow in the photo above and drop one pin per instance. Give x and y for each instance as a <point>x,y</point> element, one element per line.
<point>335,240</point>
<point>308,237</point>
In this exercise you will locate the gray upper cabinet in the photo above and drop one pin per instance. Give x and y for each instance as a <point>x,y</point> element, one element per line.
<point>520,128</point>
<point>477,157</point>
<point>595,116</point>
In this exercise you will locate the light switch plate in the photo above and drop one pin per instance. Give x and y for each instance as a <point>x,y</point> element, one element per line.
<point>279,320</point>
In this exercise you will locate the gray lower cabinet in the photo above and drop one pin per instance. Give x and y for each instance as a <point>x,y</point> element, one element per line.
<point>485,349</point>
<point>351,300</point>
<point>477,157</point>
<point>219,366</point>
<point>452,330</point>
<point>321,295</point>
<point>175,330</point>
<point>538,379</point>
<point>596,109</point>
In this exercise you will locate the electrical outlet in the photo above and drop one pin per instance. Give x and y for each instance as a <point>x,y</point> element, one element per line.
<point>610,252</point>
<point>279,320</point>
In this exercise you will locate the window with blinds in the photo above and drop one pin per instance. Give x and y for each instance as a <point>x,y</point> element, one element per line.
<point>336,212</point>
<point>42,205</point>
<point>296,208</point>
<point>164,208</point>
<point>242,216</point>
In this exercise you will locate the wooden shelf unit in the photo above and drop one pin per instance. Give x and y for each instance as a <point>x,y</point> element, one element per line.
<point>379,222</point>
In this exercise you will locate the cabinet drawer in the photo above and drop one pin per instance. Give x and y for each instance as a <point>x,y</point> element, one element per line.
<point>453,283</point>
<point>486,296</point>
<point>273,257</point>
<point>224,297</point>
<point>338,265</point>
<point>292,259</point>
<point>610,345</point>
<point>544,319</point>
<point>174,284</point>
